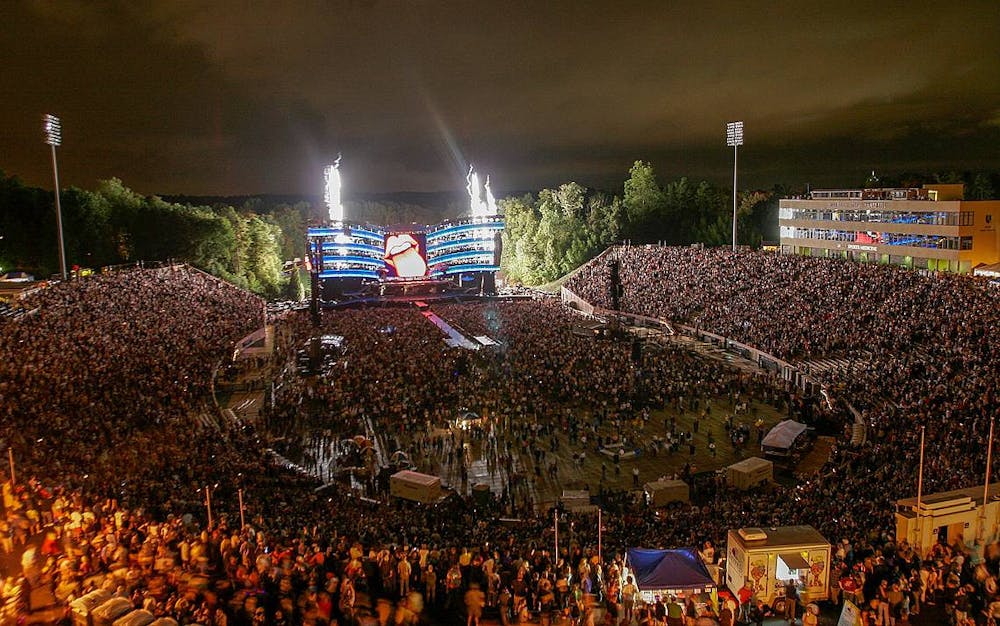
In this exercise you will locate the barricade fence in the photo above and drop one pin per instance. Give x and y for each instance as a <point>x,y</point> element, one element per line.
<point>788,372</point>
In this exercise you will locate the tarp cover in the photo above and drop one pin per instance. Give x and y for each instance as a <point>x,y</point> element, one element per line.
<point>782,435</point>
<point>668,569</point>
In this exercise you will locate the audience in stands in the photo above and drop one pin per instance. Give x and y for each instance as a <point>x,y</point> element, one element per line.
<point>100,389</point>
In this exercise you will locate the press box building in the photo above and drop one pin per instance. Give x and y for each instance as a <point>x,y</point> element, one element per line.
<point>931,227</point>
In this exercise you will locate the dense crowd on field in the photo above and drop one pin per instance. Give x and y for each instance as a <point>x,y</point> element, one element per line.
<point>99,388</point>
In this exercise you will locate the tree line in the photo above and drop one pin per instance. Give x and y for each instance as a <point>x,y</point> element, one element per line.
<point>557,230</point>
<point>113,225</point>
<point>550,234</point>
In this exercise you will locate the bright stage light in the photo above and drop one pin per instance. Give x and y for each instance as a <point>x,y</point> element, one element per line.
<point>331,176</point>
<point>491,202</point>
<point>477,205</point>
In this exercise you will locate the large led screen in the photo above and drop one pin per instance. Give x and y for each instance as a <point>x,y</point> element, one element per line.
<point>406,255</point>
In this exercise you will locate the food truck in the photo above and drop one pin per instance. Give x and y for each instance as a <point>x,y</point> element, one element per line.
<point>764,559</point>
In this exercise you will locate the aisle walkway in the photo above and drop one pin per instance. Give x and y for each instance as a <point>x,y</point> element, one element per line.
<point>455,338</point>
<point>816,458</point>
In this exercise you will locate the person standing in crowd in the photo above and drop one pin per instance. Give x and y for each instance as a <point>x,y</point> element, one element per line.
<point>791,600</point>
<point>453,586</point>
<point>504,604</point>
<point>474,601</point>
<point>430,585</point>
<point>690,611</point>
<point>629,591</point>
<point>884,605</point>
<point>404,570</point>
<point>745,596</point>
<point>672,613</point>
<point>347,599</point>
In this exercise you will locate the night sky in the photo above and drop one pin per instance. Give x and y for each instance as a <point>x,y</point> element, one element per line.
<point>225,97</point>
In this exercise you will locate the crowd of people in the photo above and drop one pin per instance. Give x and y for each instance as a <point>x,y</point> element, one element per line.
<point>544,390</point>
<point>98,390</point>
<point>923,352</point>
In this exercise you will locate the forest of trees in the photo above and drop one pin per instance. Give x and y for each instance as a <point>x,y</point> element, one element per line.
<point>553,233</point>
<point>113,225</point>
<point>548,234</point>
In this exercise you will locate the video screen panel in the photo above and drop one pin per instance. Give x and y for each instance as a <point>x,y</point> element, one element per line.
<point>868,237</point>
<point>406,255</point>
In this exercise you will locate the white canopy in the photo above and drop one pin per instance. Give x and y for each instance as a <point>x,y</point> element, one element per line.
<point>783,435</point>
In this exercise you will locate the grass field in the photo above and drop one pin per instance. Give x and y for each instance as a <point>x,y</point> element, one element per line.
<point>547,489</point>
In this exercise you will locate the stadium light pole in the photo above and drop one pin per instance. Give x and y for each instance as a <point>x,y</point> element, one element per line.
<point>734,138</point>
<point>243,521</point>
<point>52,127</point>
<point>208,502</point>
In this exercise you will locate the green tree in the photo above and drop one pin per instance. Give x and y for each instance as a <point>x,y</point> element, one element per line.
<point>263,269</point>
<point>644,202</point>
<point>755,210</point>
<point>981,188</point>
<point>295,289</point>
<point>680,215</point>
<point>292,221</point>
<point>604,218</point>
<point>570,198</point>
<point>520,259</point>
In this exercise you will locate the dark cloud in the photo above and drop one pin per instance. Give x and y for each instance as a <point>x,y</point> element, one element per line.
<point>181,96</point>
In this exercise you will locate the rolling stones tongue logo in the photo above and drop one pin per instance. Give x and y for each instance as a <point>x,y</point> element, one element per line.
<point>402,252</point>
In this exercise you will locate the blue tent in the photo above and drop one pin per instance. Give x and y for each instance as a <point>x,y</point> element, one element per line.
<point>663,571</point>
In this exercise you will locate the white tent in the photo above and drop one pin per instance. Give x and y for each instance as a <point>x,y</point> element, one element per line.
<point>781,437</point>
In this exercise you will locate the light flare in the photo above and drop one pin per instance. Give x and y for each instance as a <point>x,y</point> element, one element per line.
<point>331,196</point>
<point>491,202</point>
<point>477,206</point>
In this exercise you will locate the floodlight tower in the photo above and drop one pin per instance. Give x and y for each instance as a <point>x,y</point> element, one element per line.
<point>734,138</point>
<point>52,128</point>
